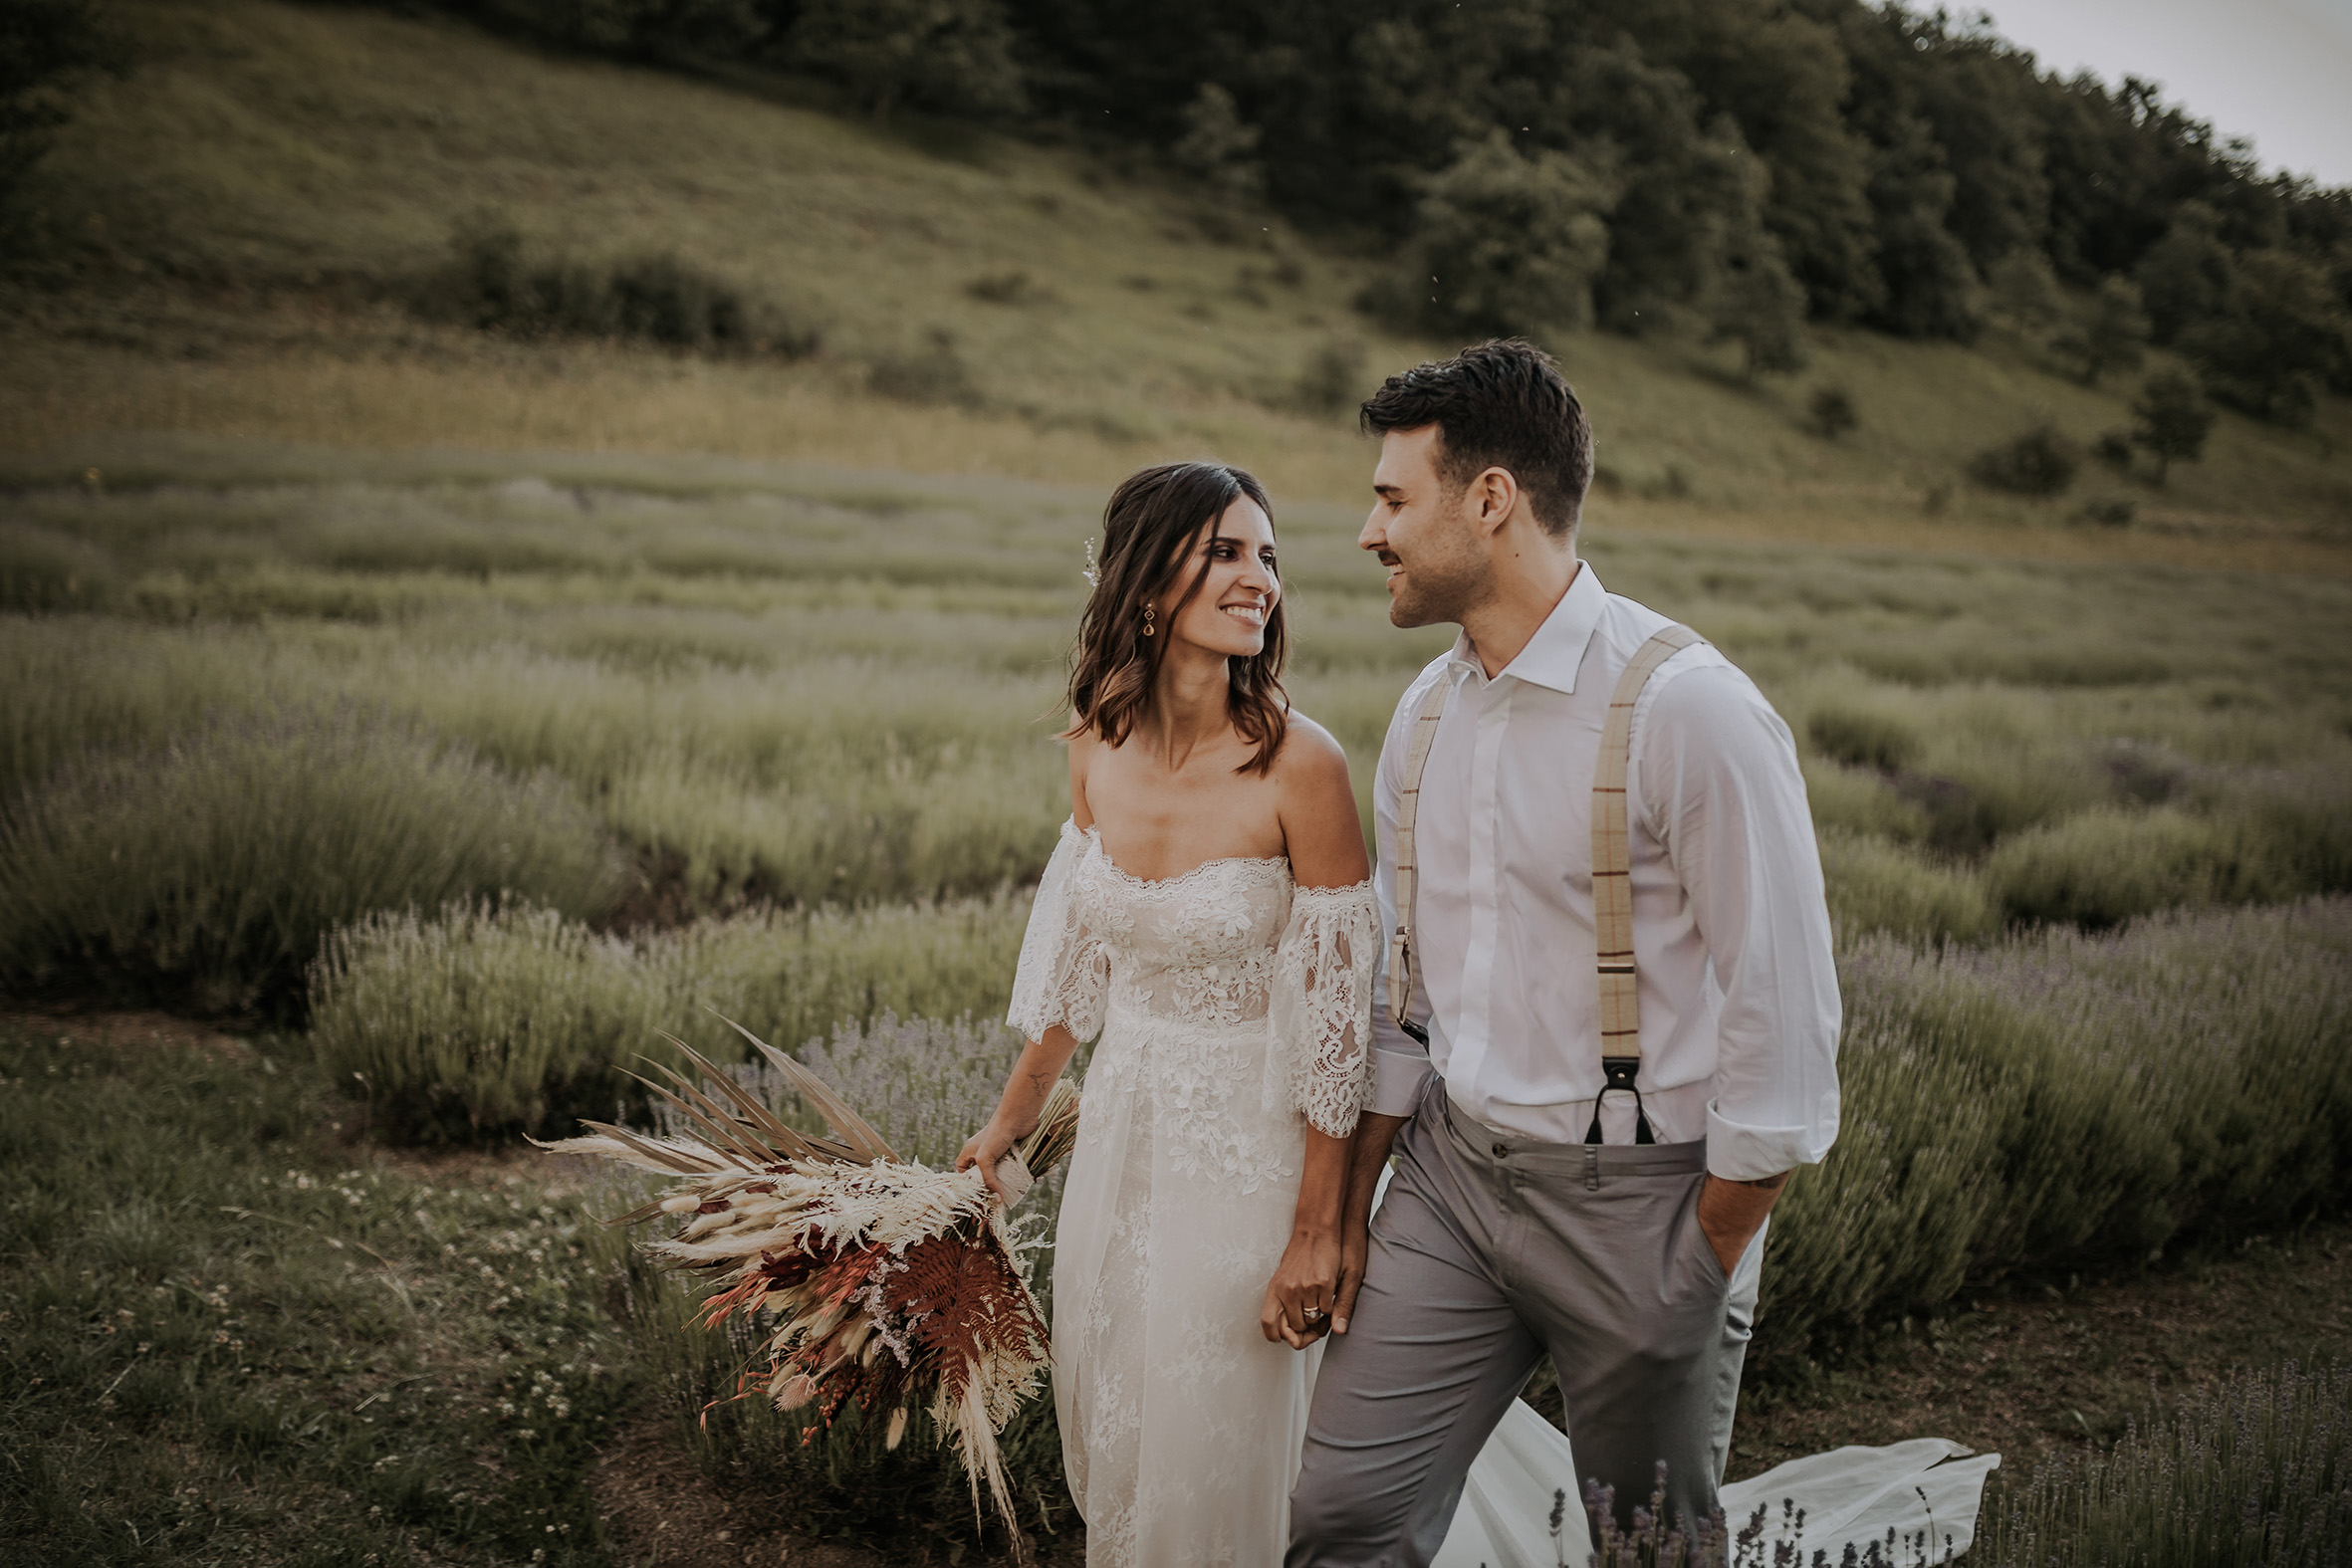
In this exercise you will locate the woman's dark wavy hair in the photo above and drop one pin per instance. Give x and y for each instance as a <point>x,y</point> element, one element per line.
<point>1151,520</point>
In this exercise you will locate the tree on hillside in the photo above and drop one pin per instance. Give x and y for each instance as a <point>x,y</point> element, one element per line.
<point>2023,291</point>
<point>45,48</point>
<point>2185,277</point>
<point>1760,306</point>
<point>1508,243</point>
<point>1218,144</point>
<point>953,56</point>
<point>1930,285</point>
<point>2110,334</point>
<point>2173,420</point>
<point>2284,334</point>
<point>1783,78</point>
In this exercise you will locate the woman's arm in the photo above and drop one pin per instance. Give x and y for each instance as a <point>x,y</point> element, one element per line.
<point>1325,839</point>
<point>1023,1101</point>
<point>1046,952</point>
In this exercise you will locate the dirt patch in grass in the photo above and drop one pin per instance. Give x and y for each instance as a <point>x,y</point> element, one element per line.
<point>658,1506</point>
<point>128,1030</point>
<point>2035,1374</point>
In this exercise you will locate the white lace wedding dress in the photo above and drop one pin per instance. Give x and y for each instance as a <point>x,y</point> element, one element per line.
<point>1233,1008</point>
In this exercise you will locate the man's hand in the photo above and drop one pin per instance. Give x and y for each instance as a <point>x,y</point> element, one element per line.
<point>1731,1212</point>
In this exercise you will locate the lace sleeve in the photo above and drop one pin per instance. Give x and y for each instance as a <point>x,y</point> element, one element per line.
<point>1065,972</point>
<point>1322,1006</point>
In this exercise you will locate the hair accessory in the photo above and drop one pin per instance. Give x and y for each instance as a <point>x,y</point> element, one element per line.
<point>1090,571</point>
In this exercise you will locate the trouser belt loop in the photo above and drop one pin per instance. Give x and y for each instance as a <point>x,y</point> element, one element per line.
<point>1619,1073</point>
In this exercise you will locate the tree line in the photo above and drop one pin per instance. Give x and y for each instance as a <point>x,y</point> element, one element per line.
<point>1734,167</point>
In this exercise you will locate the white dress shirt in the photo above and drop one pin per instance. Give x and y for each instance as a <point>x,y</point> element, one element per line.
<point>1740,1008</point>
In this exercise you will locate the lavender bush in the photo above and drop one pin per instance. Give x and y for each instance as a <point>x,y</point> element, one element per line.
<point>2257,1471</point>
<point>2062,1101</point>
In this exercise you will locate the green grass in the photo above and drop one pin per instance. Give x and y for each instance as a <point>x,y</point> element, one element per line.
<point>227,1336</point>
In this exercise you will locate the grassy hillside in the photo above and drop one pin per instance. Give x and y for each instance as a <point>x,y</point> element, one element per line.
<point>251,204</point>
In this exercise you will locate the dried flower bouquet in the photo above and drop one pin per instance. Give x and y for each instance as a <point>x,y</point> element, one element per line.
<point>890,1284</point>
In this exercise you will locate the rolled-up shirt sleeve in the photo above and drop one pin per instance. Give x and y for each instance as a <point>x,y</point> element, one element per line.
<point>1720,788</point>
<point>1400,1063</point>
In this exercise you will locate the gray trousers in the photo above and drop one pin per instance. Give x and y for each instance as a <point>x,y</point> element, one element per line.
<point>1487,1252</point>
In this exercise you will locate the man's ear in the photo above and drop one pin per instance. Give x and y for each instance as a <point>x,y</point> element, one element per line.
<point>1494,495</point>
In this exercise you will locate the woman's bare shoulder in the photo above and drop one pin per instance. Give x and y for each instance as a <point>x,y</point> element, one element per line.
<point>1324,834</point>
<point>1312,756</point>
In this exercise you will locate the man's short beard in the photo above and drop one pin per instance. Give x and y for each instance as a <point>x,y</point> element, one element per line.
<point>1442,590</point>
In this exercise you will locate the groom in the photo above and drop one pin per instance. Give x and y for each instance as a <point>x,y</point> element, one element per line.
<point>1611,1213</point>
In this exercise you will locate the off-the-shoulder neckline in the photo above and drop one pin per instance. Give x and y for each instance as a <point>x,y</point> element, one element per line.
<point>1095,834</point>
<point>1210,864</point>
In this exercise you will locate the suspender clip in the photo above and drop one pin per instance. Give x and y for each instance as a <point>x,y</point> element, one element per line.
<point>1618,1072</point>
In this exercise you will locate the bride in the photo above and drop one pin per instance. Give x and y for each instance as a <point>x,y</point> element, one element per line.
<point>1209,911</point>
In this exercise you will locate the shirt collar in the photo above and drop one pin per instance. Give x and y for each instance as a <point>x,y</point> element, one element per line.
<point>1553,655</point>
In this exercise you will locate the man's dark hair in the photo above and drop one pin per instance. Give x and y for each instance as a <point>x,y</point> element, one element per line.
<point>1503,404</point>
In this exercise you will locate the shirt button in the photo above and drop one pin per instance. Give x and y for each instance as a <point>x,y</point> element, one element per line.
<point>1502,1150</point>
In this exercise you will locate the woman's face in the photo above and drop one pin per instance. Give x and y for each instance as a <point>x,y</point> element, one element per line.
<point>1228,615</point>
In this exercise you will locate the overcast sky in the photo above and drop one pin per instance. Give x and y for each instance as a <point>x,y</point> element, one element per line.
<point>2279,71</point>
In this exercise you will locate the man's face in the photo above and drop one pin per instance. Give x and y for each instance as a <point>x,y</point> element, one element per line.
<point>1424,531</point>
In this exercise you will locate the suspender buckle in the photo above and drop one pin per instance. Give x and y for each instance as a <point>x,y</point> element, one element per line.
<point>1618,1072</point>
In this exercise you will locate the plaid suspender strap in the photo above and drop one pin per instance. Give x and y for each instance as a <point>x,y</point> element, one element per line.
<point>1400,946</point>
<point>1612,882</point>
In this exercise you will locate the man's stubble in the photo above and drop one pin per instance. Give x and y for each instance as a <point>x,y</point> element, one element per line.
<point>1448,583</point>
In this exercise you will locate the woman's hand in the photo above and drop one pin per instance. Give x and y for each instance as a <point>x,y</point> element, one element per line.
<point>1298,1309</point>
<point>986,1150</point>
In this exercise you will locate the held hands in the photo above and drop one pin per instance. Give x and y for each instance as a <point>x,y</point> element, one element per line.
<point>1303,1298</point>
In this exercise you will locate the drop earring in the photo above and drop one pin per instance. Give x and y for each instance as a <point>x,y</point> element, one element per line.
<point>1148,628</point>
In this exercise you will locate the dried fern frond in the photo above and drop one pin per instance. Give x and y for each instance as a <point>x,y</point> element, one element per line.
<point>889,1284</point>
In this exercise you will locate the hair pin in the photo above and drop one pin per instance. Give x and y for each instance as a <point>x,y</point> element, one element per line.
<point>1089,571</point>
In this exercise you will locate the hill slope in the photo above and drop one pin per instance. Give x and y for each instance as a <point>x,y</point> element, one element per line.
<point>256,199</point>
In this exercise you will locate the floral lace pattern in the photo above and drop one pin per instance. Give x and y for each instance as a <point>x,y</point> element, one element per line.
<point>1234,1008</point>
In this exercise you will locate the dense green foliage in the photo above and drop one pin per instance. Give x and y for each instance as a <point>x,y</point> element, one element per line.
<point>2255,1472</point>
<point>222,1342</point>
